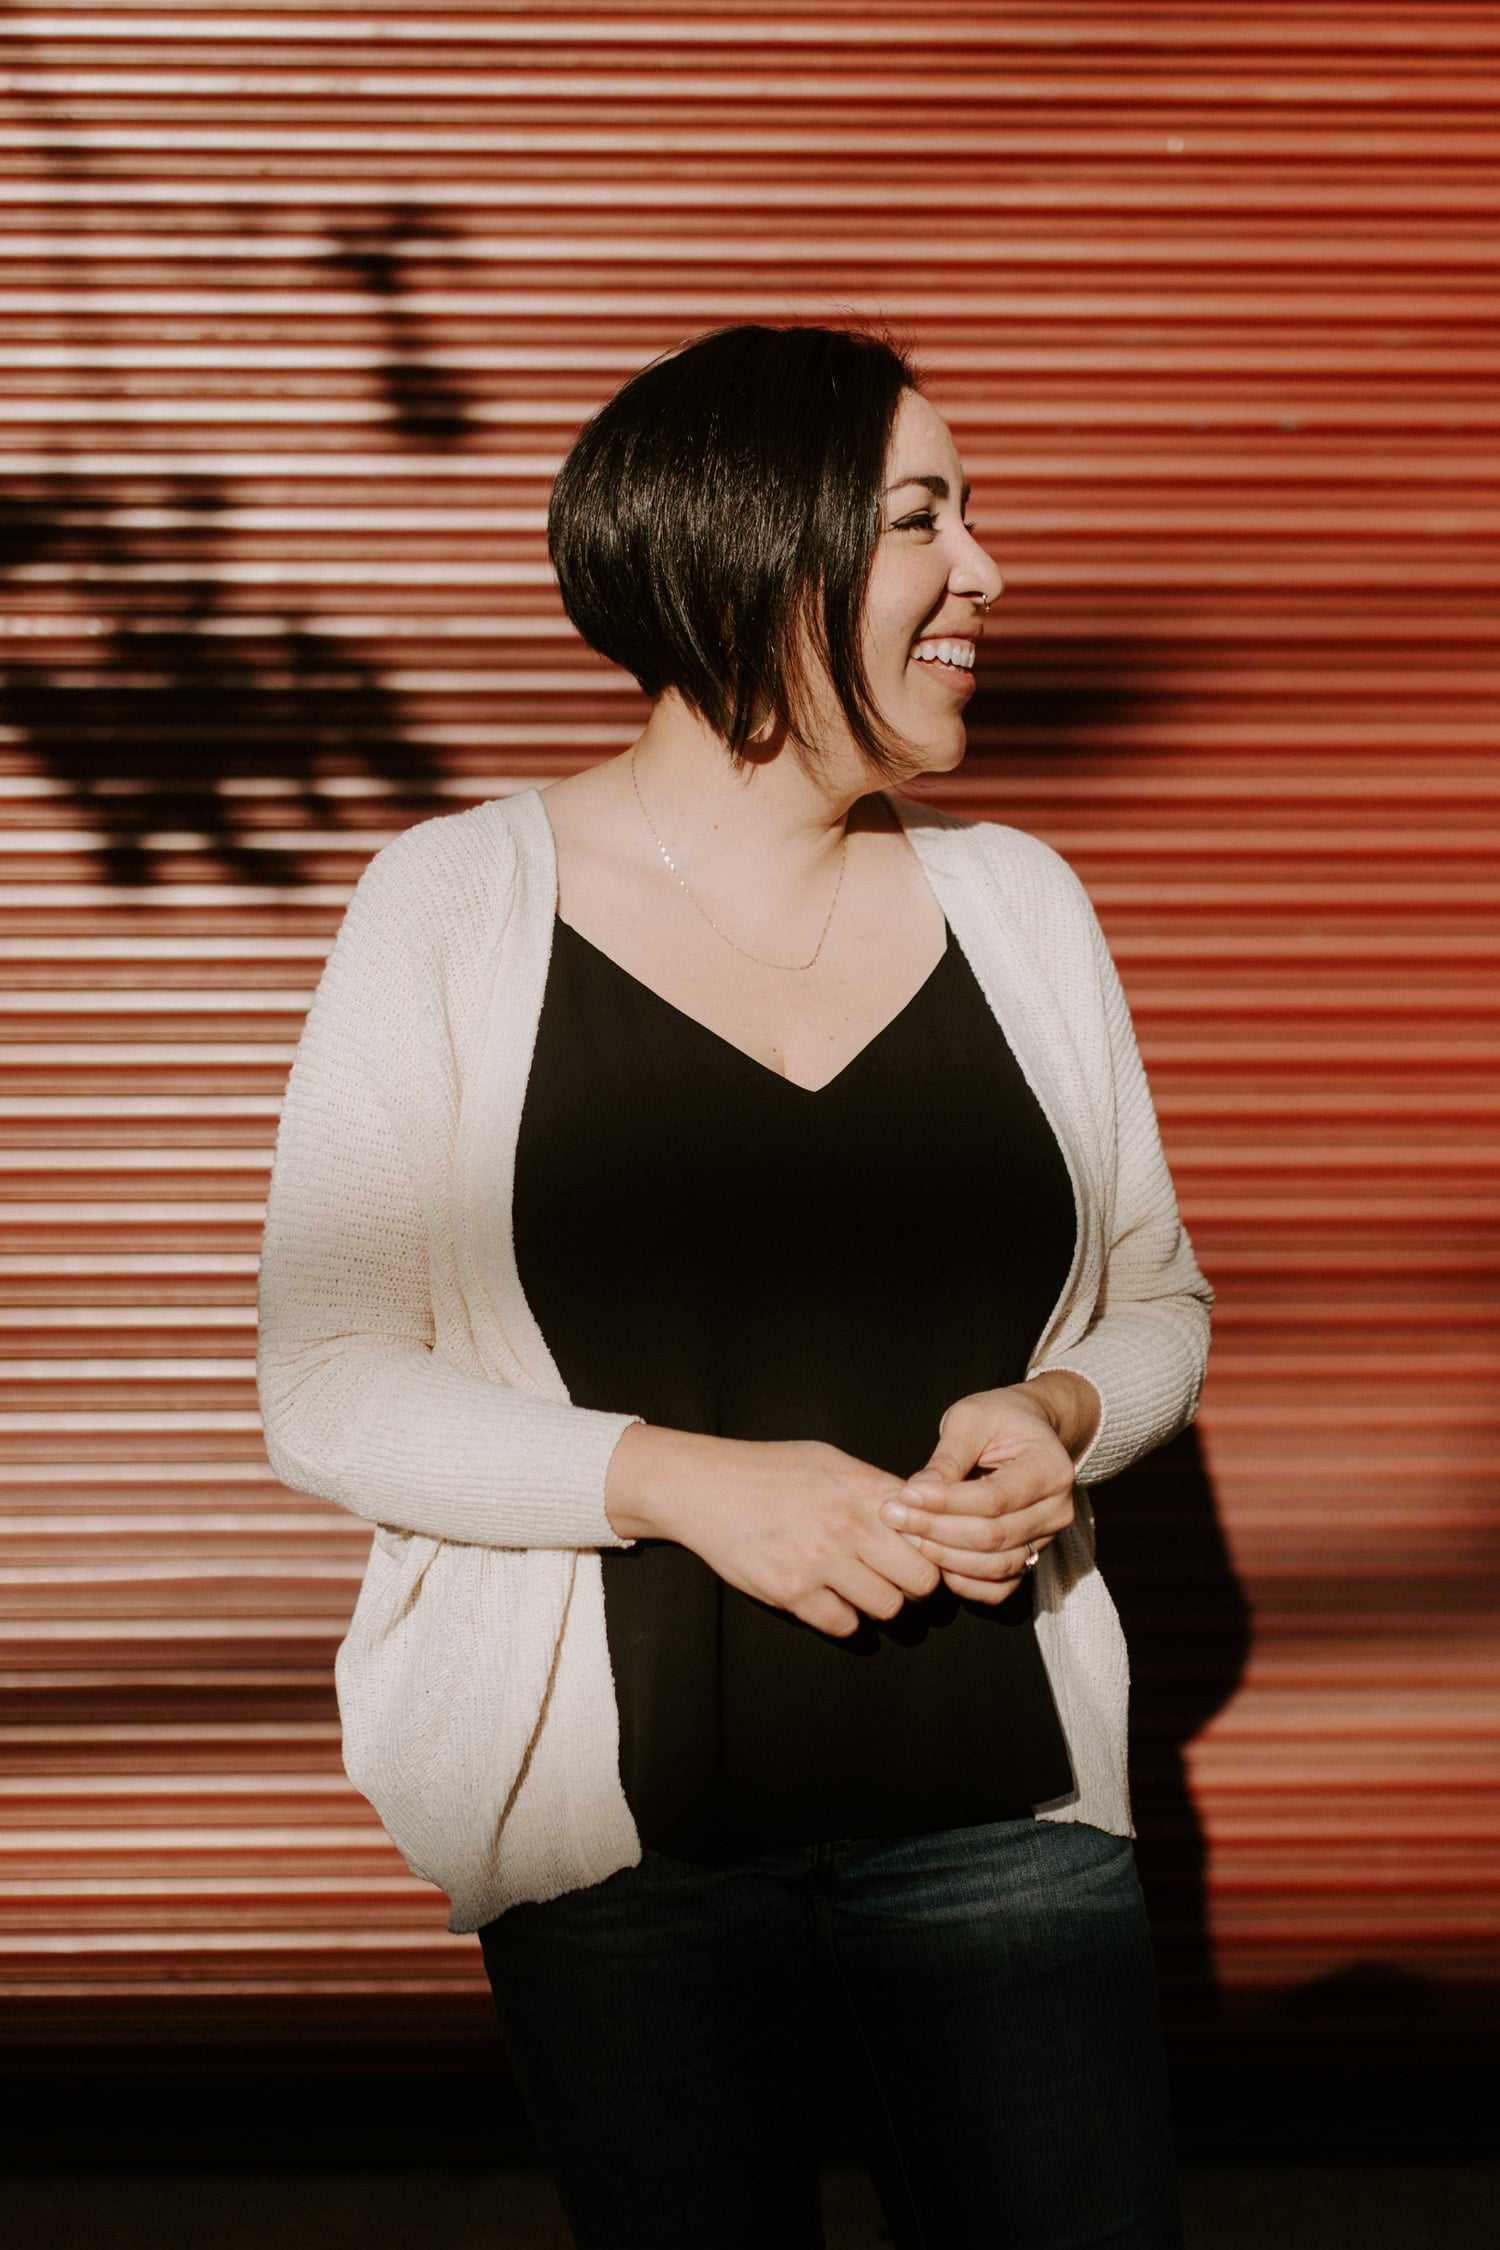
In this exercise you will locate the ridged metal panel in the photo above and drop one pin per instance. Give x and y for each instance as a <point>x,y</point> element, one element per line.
<point>298,308</point>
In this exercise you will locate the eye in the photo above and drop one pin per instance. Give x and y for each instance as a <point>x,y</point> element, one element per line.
<point>923,520</point>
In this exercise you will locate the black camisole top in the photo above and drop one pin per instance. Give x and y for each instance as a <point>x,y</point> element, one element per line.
<point>710,1246</point>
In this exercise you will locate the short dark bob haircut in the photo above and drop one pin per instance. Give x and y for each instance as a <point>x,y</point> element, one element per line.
<point>713,527</point>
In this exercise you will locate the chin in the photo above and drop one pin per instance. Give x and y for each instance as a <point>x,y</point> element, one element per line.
<point>938,755</point>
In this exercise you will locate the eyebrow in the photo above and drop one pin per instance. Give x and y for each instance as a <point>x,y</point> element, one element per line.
<point>937,486</point>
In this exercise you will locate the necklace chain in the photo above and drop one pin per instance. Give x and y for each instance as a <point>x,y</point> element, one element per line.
<point>792,967</point>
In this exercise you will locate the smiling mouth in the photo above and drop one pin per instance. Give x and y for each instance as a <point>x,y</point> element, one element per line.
<point>959,655</point>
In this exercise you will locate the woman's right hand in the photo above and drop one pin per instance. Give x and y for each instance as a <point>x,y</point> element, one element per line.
<point>794,1523</point>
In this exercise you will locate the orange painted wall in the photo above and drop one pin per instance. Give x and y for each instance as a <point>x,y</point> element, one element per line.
<point>298,310</point>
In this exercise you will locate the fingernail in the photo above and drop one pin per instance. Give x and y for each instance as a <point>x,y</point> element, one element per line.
<point>893,1512</point>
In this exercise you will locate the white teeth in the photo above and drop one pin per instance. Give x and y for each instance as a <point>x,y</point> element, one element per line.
<point>958,653</point>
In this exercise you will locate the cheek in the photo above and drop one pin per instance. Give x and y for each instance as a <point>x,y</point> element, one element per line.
<point>893,619</point>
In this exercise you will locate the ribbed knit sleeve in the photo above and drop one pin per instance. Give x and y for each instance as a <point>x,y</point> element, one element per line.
<point>1146,1347</point>
<point>358,1406</point>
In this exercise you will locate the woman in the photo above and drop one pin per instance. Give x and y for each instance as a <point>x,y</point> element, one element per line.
<point>718,1222</point>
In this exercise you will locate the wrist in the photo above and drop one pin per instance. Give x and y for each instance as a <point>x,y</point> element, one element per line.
<point>659,1479</point>
<point>1072,1406</point>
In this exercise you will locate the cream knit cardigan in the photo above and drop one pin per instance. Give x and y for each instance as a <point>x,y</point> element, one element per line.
<point>403,1375</point>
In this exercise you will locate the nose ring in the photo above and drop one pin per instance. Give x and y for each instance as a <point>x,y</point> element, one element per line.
<point>984,603</point>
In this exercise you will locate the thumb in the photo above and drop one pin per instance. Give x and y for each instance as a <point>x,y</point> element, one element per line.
<point>950,1463</point>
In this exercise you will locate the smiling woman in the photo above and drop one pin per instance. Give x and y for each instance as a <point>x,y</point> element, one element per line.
<point>732,1642</point>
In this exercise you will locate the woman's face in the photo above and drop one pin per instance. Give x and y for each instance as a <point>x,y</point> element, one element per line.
<point>924,605</point>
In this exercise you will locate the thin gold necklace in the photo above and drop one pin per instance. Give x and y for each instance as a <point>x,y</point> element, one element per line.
<point>792,967</point>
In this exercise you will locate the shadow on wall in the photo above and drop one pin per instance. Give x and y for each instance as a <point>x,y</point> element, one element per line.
<point>134,674</point>
<point>1096,682</point>
<point>425,402</point>
<point>1369,2062</point>
<point>1064,703</point>
<point>1164,1557</point>
<point>150,728</point>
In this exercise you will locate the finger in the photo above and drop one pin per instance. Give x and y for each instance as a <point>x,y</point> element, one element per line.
<point>984,1530</point>
<point>961,1440</point>
<point>869,1590</point>
<point>1007,1562</point>
<point>827,1612</point>
<point>1021,1483</point>
<point>991,1590</point>
<point>974,1535</point>
<point>950,1464</point>
<point>895,1557</point>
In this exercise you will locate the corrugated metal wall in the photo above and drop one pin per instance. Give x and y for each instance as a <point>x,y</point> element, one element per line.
<point>298,309</point>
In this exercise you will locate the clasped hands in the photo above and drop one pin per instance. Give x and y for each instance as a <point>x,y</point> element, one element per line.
<point>999,1485</point>
<point>805,1527</point>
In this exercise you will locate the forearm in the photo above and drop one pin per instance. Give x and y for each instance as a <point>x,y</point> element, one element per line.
<point>385,1429</point>
<point>659,1480</point>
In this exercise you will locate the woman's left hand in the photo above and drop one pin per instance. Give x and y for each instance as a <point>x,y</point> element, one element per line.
<point>1000,1484</point>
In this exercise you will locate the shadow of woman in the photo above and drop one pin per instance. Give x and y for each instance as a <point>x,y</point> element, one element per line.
<point>1164,1557</point>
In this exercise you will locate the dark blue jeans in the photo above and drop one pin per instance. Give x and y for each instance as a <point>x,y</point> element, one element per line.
<point>989,1992</point>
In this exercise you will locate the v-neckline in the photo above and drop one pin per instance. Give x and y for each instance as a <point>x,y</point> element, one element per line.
<point>777,1077</point>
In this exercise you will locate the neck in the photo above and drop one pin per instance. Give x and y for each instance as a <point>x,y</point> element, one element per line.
<point>767,826</point>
